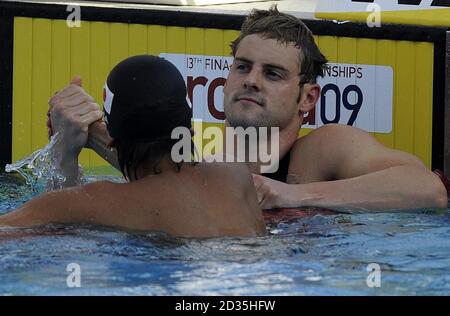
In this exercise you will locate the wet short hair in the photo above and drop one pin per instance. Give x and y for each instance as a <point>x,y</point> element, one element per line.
<point>285,28</point>
<point>131,155</point>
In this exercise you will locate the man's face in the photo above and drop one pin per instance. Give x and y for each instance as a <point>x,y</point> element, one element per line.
<point>262,88</point>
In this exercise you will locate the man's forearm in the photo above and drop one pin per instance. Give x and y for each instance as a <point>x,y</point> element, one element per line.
<point>70,170</point>
<point>67,166</point>
<point>99,141</point>
<point>398,187</point>
<point>67,157</point>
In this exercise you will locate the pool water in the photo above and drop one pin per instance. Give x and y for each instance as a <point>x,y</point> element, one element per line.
<point>319,255</point>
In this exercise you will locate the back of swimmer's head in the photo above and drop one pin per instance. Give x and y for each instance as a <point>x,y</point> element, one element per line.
<point>144,100</point>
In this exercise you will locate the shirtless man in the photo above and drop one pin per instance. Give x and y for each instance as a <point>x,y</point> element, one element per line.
<point>145,98</point>
<point>272,82</point>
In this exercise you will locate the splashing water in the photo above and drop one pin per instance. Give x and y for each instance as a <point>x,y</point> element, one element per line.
<point>41,165</point>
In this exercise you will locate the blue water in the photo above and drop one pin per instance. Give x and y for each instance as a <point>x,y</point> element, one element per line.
<point>320,255</point>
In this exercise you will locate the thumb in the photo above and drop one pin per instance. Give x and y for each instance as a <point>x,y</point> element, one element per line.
<point>260,194</point>
<point>257,179</point>
<point>76,81</point>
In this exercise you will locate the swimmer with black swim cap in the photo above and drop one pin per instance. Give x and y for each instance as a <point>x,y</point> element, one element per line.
<point>145,98</point>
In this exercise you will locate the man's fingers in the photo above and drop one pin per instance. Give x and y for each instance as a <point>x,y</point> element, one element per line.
<point>49,125</point>
<point>265,197</point>
<point>75,100</point>
<point>267,191</point>
<point>256,179</point>
<point>76,81</point>
<point>84,108</point>
<point>78,99</point>
<point>258,182</point>
<point>51,101</point>
<point>79,116</point>
<point>49,122</point>
<point>91,117</point>
<point>74,86</point>
<point>49,119</point>
<point>68,91</point>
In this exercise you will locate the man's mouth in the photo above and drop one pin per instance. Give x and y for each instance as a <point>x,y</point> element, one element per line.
<point>250,101</point>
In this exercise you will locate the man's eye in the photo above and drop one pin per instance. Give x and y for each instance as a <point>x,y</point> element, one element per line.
<point>242,67</point>
<point>273,75</point>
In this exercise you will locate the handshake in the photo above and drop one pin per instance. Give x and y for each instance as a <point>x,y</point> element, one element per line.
<point>74,114</point>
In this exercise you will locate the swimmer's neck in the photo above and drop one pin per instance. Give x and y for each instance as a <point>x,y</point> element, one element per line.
<point>165,166</point>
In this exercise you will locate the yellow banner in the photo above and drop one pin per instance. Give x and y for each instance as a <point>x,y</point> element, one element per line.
<point>416,12</point>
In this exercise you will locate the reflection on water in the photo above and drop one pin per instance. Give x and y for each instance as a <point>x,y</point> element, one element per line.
<point>320,255</point>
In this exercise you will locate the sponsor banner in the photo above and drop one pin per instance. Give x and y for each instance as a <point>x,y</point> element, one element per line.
<point>205,78</point>
<point>419,12</point>
<point>357,95</point>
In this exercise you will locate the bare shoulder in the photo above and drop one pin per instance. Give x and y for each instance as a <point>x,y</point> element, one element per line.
<point>339,151</point>
<point>93,198</point>
<point>102,188</point>
<point>86,197</point>
<point>235,170</point>
<point>350,143</point>
<point>95,187</point>
<point>332,134</point>
<point>233,195</point>
<point>233,179</point>
<point>314,157</point>
<point>110,197</point>
<point>341,141</point>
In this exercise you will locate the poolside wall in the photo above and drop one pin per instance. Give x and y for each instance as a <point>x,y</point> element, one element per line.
<point>43,54</point>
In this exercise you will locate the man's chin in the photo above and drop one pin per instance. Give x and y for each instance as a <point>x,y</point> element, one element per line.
<point>247,122</point>
<point>253,117</point>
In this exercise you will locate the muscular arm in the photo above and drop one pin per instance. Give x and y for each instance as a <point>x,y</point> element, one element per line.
<point>344,167</point>
<point>64,206</point>
<point>89,204</point>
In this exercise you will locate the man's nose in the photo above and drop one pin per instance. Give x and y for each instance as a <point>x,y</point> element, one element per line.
<point>253,80</point>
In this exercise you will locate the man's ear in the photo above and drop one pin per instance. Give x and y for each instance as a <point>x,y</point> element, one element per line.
<point>309,96</point>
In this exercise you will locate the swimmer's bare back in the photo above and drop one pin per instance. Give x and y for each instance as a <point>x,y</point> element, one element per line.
<point>201,201</point>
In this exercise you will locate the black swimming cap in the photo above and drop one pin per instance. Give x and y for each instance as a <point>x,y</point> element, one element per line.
<point>145,99</point>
